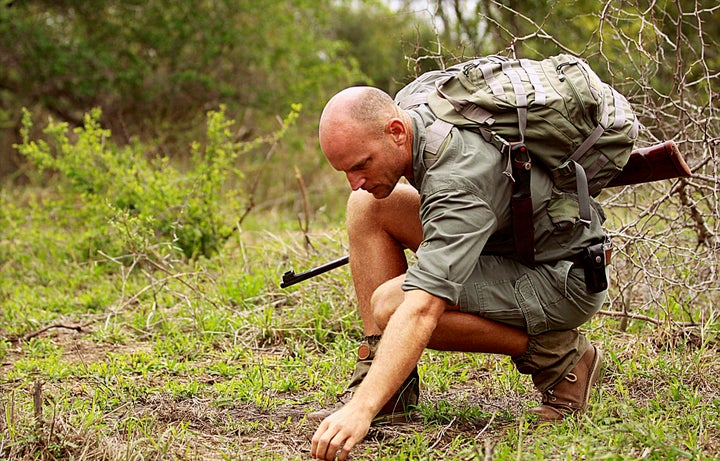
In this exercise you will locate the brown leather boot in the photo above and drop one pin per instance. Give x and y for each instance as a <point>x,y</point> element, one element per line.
<point>572,393</point>
<point>396,410</point>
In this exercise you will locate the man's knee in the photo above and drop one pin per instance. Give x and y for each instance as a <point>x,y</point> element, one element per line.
<point>385,300</point>
<point>397,215</point>
<point>359,207</point>
<point>363,207</point>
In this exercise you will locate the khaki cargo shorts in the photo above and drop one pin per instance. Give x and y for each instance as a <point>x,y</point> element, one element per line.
<point>545,298</point>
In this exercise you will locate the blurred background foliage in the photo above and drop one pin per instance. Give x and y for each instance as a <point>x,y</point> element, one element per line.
<point>156,67</point>
<point>218,100</point>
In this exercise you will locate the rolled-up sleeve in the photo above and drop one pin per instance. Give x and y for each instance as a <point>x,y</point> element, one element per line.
<point>457,221</point>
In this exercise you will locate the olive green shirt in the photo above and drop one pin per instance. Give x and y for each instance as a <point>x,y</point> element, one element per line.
<point>465,210</point>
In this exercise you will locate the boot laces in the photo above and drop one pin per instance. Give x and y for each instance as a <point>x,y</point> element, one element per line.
<point>550,393</point>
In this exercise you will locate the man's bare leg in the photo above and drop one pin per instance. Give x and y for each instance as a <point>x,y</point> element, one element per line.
<point>462,332</point>
<point>379,231</point>
<point>456,331</point>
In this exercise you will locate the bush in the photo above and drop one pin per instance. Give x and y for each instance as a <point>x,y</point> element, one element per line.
<point>128,204</point>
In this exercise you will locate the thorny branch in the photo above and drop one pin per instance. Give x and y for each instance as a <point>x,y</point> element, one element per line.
<point>665,59</point>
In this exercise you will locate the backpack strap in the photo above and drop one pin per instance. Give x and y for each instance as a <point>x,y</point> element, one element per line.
<point>437,131</point>
<point>540,93</point>
<point>521,200</point>
<point>581,181</point>
<point>413,100</point>
<point>519,170</point>
<point>488,71</point>
<point>435,134</point>
<point>467,109</point>
<point>521,204</point>
<point>521,100</point>
<point>583,194</point>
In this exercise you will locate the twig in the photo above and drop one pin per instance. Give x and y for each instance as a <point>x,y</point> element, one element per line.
<point>304,224</point>
<point>78,328</point>
<point>442,433</point>
<point>37,403</point>
<point>632,316</point>
<point>485,428</point>
<point>253,187</point>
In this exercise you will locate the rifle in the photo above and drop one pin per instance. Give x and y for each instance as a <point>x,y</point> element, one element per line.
<point>646,164</point>
<point>291,278</point>
<point>652,163</point>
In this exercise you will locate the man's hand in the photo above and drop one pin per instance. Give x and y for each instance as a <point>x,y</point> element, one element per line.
<point>339,433</point>
<point>404,339</point>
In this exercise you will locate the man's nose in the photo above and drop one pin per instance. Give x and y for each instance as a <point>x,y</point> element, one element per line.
<point>356,181</point>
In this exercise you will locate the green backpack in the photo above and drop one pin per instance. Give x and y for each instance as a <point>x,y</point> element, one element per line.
<point>555,111</point>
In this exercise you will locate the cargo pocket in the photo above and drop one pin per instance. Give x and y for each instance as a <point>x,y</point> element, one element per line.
<point>530,306</point>
<point>494,300</point>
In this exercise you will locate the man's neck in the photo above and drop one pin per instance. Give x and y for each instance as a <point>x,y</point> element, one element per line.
<point>409,145</point>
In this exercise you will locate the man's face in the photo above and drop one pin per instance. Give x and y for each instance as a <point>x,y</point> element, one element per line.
<point>370,162</point>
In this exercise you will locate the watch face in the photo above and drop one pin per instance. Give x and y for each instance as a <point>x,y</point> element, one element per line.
<point>363,351</point>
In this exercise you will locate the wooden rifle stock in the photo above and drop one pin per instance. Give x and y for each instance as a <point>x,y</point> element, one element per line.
<point>652,163</point>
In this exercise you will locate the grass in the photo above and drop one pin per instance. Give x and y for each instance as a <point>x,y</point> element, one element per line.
<point>132,358</point>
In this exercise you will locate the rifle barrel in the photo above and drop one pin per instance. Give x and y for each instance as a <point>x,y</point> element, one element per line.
<point>291,278</point>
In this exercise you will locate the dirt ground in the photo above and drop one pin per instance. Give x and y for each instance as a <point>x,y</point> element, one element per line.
<point>201,428</point>
<point>239,430</point>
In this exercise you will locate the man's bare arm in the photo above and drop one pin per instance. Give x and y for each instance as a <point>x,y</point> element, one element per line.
<point>404,339</point>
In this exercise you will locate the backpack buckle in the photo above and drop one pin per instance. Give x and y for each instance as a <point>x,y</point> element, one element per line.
<point>520,156</point>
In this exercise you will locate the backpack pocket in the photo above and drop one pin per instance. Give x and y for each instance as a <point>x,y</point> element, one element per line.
<point>563,210</point>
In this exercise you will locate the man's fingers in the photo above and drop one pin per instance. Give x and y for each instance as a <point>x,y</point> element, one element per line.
<point>344,453</point>
<point>329,442</point>
<point>319,444</point>
<point>335,446</point>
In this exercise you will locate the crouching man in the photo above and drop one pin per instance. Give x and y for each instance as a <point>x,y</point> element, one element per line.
<point>466,292</point>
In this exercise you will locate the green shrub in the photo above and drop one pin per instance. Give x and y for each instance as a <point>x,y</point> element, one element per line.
<point>128,204</point>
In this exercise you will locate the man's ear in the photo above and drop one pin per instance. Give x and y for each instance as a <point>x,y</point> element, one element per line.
<point>397,129</point>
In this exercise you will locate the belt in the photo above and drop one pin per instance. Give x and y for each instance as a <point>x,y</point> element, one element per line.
<point>579,258</point>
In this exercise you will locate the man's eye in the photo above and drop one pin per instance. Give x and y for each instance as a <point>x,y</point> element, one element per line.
<point>361,165</point>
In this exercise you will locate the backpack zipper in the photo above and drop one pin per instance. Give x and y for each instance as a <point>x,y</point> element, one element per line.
<point>560,68</point>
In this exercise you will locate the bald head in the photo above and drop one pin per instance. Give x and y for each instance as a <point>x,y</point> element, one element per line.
<point>367,136</point>
<point>360,107</point>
